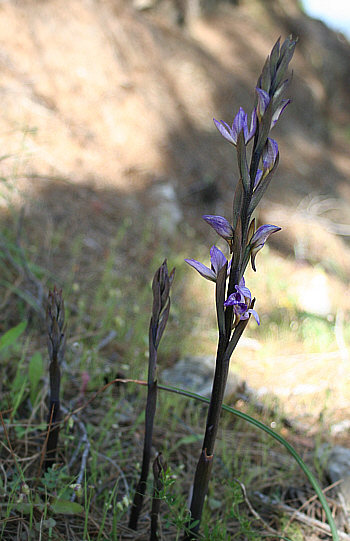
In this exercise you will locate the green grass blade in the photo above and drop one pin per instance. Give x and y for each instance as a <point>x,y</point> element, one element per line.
<point>277,437</point>
<point>12,335</point>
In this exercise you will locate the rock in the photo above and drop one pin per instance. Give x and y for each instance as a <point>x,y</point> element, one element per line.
<point>142,5</point>
<point>196,374</point>
<point>336,464</point>
<point>340,428</point>
<point>165,208</point>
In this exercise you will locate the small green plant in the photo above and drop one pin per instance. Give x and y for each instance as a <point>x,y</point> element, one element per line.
<point>175,515</point>
<point>40,503</point>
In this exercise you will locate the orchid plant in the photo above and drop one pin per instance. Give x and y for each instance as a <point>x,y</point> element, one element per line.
<point>234,302</point>
<point>56,333</point>
<point>160,312</point>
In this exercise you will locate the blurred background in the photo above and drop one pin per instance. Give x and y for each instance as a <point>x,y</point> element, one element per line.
<point>109,158</point>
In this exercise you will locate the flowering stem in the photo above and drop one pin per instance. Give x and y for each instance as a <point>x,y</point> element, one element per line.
<point>233,314</point>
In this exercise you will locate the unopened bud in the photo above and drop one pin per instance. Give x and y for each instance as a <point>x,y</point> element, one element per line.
<point>25,488</point>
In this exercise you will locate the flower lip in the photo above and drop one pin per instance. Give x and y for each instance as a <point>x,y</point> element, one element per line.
<point>241,302</point>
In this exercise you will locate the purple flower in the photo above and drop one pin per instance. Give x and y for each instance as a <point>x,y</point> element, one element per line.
<point>269,155</point>
<point>240,123</point>
<point>217,259</point>
<point>221,226</point>
<point>258,240</point>
<point>263,102</point>
<point>241,301</point>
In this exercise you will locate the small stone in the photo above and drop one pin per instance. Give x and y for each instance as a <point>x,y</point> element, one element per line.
<point>336,464</point>
<point>340,428</point>
<point>142,5</point>
<point>196,374</point>
<point>165,208</point>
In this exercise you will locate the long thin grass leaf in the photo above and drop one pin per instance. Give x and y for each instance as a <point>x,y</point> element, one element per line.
<point>12,335</point>
<point>277,437</point>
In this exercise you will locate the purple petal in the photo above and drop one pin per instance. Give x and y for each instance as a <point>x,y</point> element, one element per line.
<point>217,259</point>
<point>225,130</point>
<point>252,127</point>
<point>244,291</point>
<point>279,111</point>
<point>232,300</point>
<point>269,155</point>
<point>220,225</point>
<point>246,315</point>
<point>239,298</point>
<point>255,315</point>
<point>240,309</point>
<point>259,238</point>
<point>240,123</point>
<point>258,177</point>
<point>263,101</point>
<point>262,234</point>
<point>209,274</point>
